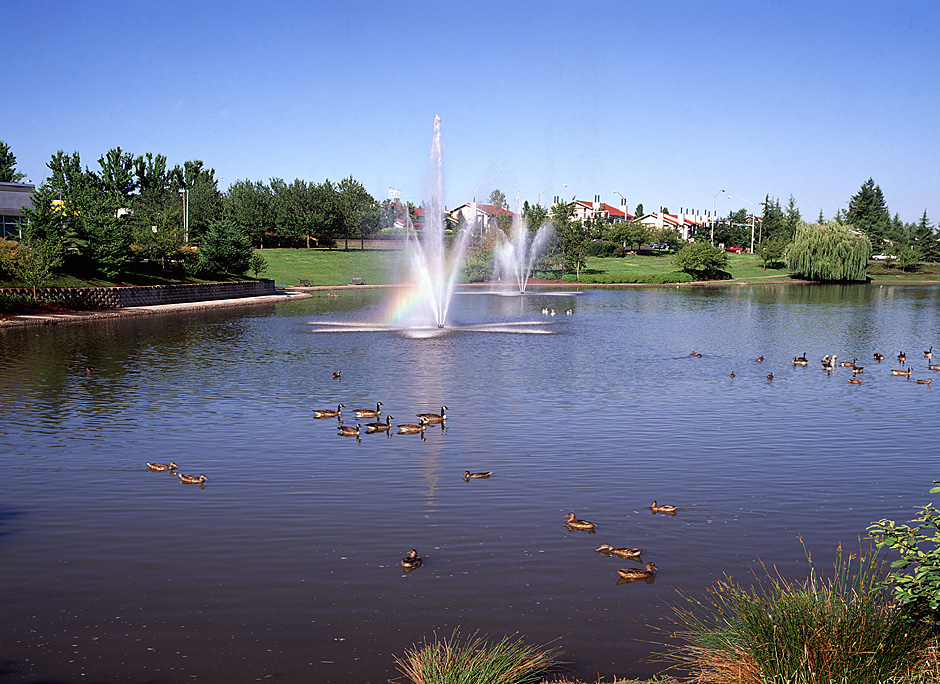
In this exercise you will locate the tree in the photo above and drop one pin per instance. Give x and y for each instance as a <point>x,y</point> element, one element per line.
<point>498,199</point>
<point>573,238</point>
<point>701,259</point>
<point>225,249</point>
<point>8,172</point>
<point>249,205</point>
<point>638,212</point>
<point>773,223</point>
<point>772,250</point>
<point>792,218</point>
<point>829,253</point>
<point>630,233</point>
<point>358,210</point>
<point>204,198</point>
<point>868,212</point>
<point>34,264</point>
<point>117,180</point>
<point>926,239</point>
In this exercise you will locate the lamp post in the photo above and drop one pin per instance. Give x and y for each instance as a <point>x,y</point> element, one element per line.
<point>184,193</point>
<point>753,211</point>
<point>538,198</point>
<point>712,222</point>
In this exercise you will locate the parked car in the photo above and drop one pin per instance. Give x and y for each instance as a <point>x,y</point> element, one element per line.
<point>736,250</point>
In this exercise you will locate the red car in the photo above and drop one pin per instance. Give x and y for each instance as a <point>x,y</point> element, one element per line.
<point>736,250</point>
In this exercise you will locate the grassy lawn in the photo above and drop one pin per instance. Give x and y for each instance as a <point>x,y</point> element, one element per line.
<point>739,265</point>
<point>330,267</point>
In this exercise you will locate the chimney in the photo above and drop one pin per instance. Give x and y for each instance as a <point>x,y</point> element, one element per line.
<point>597,201</point>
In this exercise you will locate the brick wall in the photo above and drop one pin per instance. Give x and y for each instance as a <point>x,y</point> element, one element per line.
<point>148,295</point>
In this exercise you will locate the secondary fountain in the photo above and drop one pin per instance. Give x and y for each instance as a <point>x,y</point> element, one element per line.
<point>516,254</point>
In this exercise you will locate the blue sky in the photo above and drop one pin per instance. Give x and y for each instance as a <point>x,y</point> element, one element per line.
<point>666,103</point>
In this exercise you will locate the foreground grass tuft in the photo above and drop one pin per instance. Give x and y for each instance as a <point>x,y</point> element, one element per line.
<point>474,660</point>
<point>817,631</point>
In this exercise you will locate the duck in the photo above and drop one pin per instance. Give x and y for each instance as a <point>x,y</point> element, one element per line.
<point>731,375</point>
<point>579,524</point>
<point>162,466</point>
<point>377,427</point>
<point>622,552</point>
<point>770,376</point>
<point>933,366</point>
<point>636,573</point>
<point>336,374</point>
<point>929,353</point>
<point>830,364</point>
<point>568,312</point>
<point>544,310</point>
<point>696,355</point>
<point>467,475</point>
<point>349,430</point>
<point>902,357</point>
<point>663,508</point>
<point>857,369</point>
<point>434,417</point>
<point>855,381</point>
<point>760,358</point>
<point>895,371</point>
<point>411,561</point>
<point>328,413</point>
<point>369,413</point>
<point>879,357</point>
<point>551,312</point>
<point>330,295</point>
<point>848,364</point>
<point>192,479</point>
<point>412,428</point>
<point>923,382</point>
<point>797,361</point>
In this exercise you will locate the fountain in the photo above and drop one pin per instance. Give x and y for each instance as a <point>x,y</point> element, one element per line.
<point>516,254</point>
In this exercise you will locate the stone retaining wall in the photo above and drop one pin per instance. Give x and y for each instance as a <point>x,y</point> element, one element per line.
<point>148,295</point>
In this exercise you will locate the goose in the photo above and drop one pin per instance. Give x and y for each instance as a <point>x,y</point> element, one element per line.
<point>826,359</point>
<point>349,430</point>
<point>568,312</point>
<point>328,413</point>
<point>830,364</point>
<point>933,366</point>
<point>544,310</point>
<point>907,372</point>
<point>929,353</point>
<point>857,369</point>
<point>879,357</point>
<point>848,364</point>
<point>663,508</point>
<point>797,361</point>
<point>192,479</point>
<point>579,524</point>
<point>377,427</point>
<point>162,466</point>
<point>623,552</point>
<point>369,413</point>
<point>336,374</point>
<point>696,355</point>
<point>413,428</point>
<point>411,561</point>
<point>636,573</point>
<point>902,357</point>
<point>923,382</point>
<point>803,358</point>
<point>467,475</point>
<point>434,417</point>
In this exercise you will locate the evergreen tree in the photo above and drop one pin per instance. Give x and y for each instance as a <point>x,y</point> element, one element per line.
<point>225,249</point>
<point>8,172</point>
<point>868,212</point>
<point>926,239</point>
<point>774,223</point>
<point>792,218</point>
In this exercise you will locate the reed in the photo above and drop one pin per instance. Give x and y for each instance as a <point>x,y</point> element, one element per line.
<point>821,630</point>
<point>475,660</point>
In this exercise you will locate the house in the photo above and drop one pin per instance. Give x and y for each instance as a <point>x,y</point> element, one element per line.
<point>686,223</point>
<point>599,211</point>
<point>13,197</point>
<point>481,216</point>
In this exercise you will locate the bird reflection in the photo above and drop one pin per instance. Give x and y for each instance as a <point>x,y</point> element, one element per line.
<point>628,580</point>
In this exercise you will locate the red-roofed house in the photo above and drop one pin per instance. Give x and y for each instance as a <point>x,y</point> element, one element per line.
<point>482,216</point>
<point>597,210</point>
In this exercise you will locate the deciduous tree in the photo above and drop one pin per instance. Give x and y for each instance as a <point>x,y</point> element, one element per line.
<point>832,252</point>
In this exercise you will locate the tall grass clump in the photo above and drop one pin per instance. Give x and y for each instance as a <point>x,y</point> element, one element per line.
<point>475,660</point>
<point>840,629</point>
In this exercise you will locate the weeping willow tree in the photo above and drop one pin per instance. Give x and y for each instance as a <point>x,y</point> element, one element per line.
<point>829,252</point>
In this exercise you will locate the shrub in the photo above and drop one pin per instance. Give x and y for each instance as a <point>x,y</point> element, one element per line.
<point>919,545</point>
<point>601,248</point>
<point>842,629</point>
<point>459,660</point>
<point>627,279</point>
<point>701,259</point>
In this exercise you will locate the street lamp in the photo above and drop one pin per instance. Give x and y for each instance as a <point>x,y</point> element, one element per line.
<point>753,211</point>
<point>538,198</point>
<point>712,222</point>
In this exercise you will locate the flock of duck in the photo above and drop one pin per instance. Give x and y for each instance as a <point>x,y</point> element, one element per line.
<point>171,467</point>
<point>830,363</point>
<point>648,572</point>
<point>377,426</point>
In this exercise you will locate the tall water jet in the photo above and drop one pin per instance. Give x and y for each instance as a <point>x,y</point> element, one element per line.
<point>434,273</point>
<point>516,254</point>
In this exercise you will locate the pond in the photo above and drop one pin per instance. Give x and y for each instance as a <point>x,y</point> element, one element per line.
<point>287,561</point>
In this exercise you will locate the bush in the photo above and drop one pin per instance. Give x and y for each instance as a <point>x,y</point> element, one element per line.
<point>701,259</point>
<point>459,660</point>
<point>226,249</point>
<point>601,248</point>
<point>843,629</point>
<point>919,545</point>
<point>626,279</point>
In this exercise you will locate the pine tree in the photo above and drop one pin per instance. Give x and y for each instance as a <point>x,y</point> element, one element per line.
<point>868,212</point>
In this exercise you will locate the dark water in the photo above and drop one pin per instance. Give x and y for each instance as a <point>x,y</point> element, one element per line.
<point>287,562</point>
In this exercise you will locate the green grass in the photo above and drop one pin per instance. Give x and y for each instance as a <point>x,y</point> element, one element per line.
<point>475,660</point>
<point>816,631</point>
<point>330,267</point>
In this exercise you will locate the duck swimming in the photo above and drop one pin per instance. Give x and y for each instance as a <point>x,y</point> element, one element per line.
<point>411,561</point>
<point>636,573</point>
<point>924,382</point>
<point>663,508</point>
<point>579,524</point>
<point>696,355</point>
<point>162,466</point>
<point>369,413</point>
<point>623,552</point>
<point>336,374</point>
<point>192,479</point>
<point>328,413</point>
<point>467,475</point>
